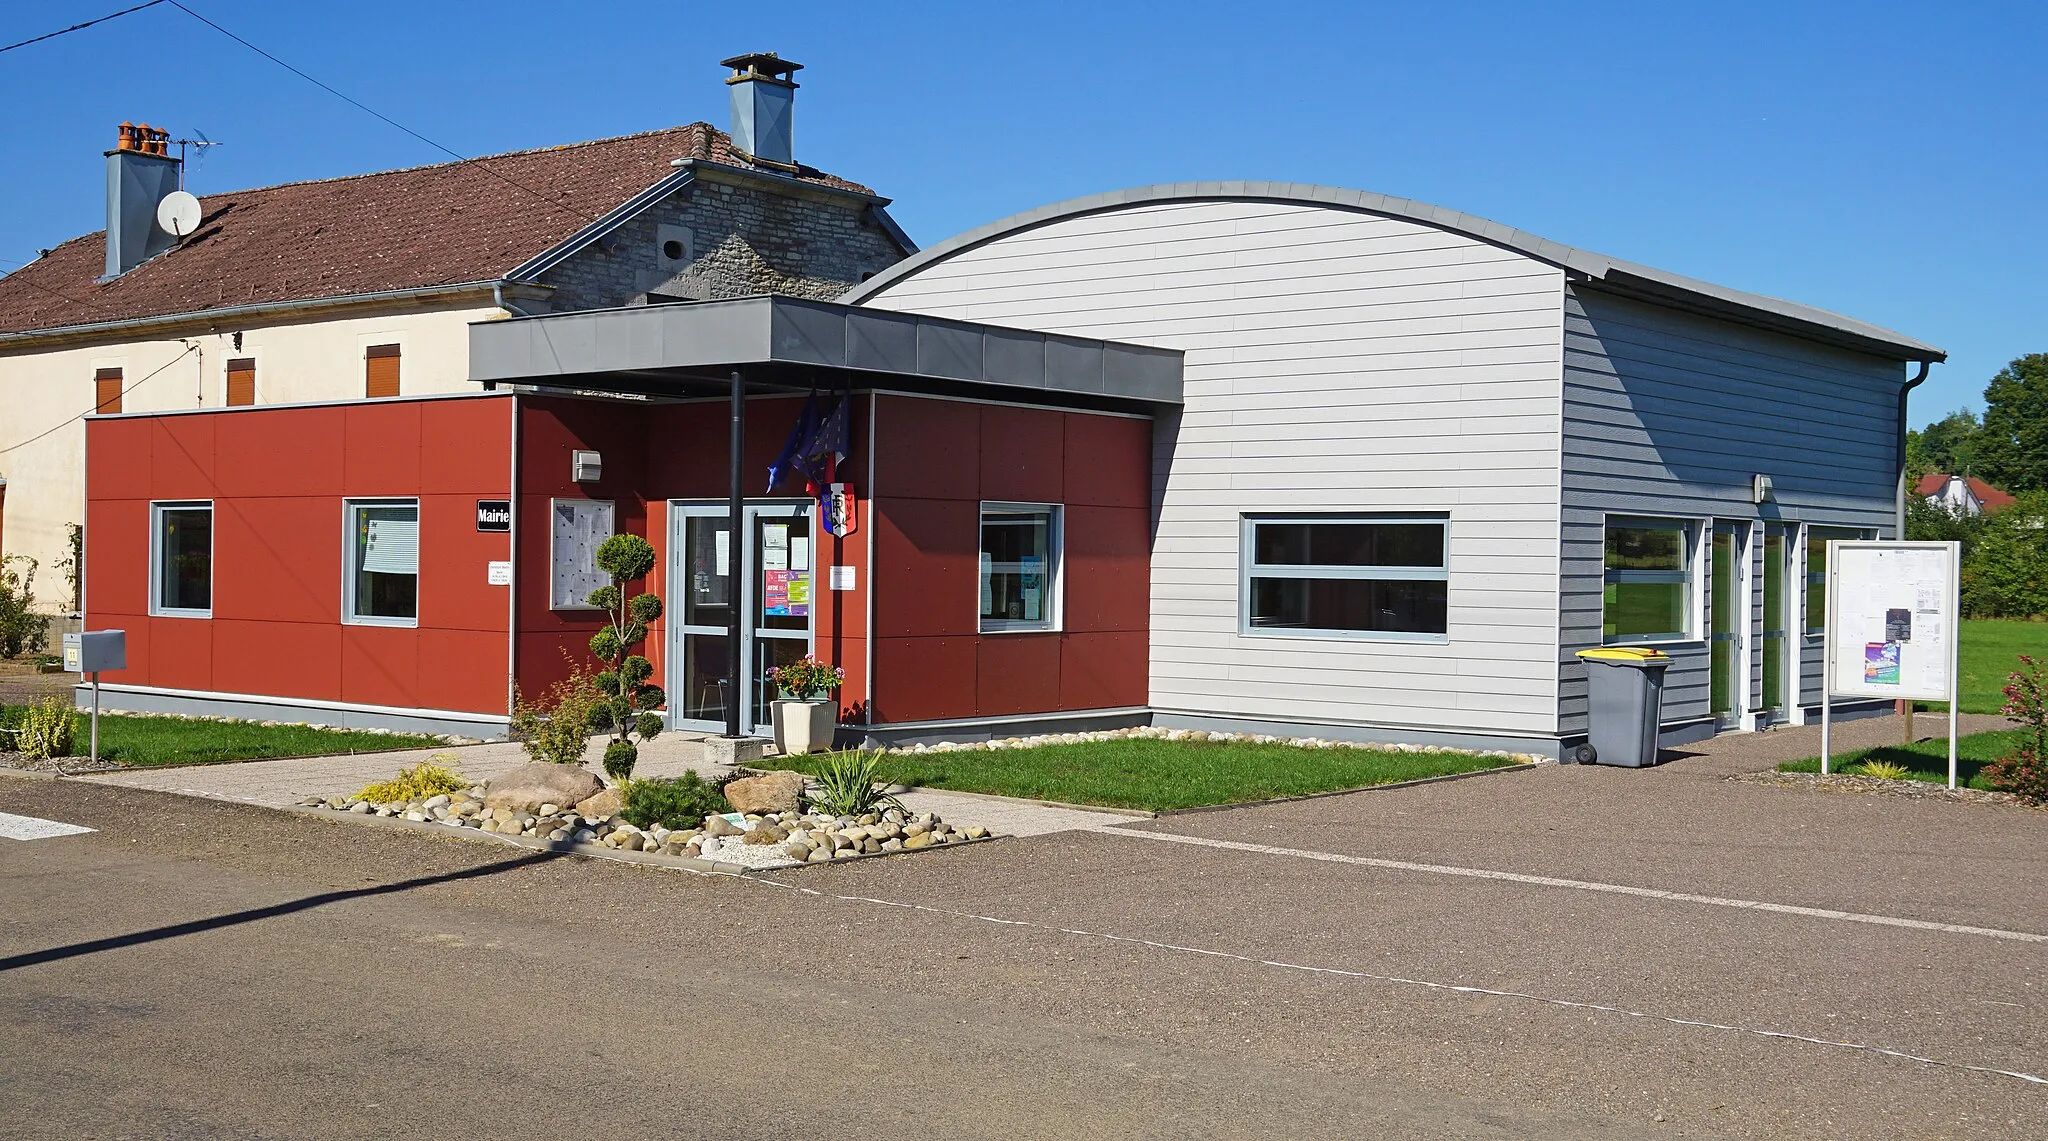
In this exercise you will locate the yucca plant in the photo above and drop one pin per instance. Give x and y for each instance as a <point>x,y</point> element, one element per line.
<point>850,783</point>
<point>1884,770</point>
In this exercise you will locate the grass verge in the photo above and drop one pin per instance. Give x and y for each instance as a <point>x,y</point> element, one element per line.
<point>147,741</point>
<point>1989,653</point>
<point>1161,775</point>
<point>1928,760</point>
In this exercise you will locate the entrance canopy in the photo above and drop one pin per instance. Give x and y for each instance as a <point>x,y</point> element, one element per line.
<point>788,343</point>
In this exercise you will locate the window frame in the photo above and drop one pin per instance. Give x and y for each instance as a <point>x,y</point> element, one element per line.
<point>157,609</point>
<point>349,571</point>
<point>1247,537</point>
<point>1054,621</point>
<point>1692,576</point>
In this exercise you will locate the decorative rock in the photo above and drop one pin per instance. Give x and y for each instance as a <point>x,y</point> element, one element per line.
<point>531,786</point>
<point>605,803</point>
<point>360,807</point>
<point>922,840</point>
<point>976,832</point>
<point>720,826</point>
<point>797,851</point>
<point>775,792</point>
<point>631,841</point>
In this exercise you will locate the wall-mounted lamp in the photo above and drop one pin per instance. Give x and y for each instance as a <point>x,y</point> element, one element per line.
<point>1759,488</point>
<point>586,467</point>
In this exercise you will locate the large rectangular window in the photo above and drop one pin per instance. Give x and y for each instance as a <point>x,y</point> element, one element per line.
<point>1020,555</point>
<point>383,572</point>
<point>1649,581</point>
<point>181,559</point>
<point>1347,576</point>
<point>1817,540</point>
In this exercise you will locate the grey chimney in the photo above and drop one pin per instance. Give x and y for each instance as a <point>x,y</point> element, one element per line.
<point>140,172</point>
<point>763,105</point>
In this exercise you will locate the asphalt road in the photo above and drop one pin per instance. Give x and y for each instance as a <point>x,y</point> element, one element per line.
<point>205,970</point>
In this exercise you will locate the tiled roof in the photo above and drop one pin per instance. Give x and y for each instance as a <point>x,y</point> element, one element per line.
<point>423,226</point>
<point>1934,483</point>
<point>1931,484</point>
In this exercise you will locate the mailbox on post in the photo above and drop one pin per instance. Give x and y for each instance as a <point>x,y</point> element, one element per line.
<point>89,653</point>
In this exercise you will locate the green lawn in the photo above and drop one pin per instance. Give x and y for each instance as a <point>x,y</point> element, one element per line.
<point>144,741</point>
<point>1927,759</point>
<point>1990,651</point>
<point>1160,775</point>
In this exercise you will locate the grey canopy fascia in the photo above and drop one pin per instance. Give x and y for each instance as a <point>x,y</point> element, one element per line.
<point>687,348</point>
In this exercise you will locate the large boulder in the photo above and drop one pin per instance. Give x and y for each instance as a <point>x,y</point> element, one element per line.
<point>526,788</point>
<point>604,804</point>
<point>758,796</point>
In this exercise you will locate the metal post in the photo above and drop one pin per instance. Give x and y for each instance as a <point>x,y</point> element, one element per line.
<point>735,519</point>
<point>1955,640</point>
<point>1827,658</point>
<point>96,720</point>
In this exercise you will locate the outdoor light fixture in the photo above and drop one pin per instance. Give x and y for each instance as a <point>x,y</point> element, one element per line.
<point>586,467</point>
<point>1760,488</point>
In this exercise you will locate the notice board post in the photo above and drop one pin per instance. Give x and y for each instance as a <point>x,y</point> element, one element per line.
<point>1892,628</point>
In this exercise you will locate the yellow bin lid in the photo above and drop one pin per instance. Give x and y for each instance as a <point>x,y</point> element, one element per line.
<point>1626,654</point>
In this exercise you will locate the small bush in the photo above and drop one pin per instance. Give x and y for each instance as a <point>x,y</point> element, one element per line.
<point>849,783</point>
<point>417,783</point>
<point>680,803</point>
<point>556,728</point>
<point>22,630</point>
<point>47,729</point>
<point>619,759</point>
<point>2024,771</point>
<point>1884,770</point>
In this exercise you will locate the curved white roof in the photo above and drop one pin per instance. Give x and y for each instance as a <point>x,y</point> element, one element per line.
<point>1581,266</point>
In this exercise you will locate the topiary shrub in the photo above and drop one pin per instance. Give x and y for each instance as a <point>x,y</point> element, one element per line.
<point>423,780</point>
<point>680,803</point>
<point>627,697</point>
<point>2024,771</point>
<point>556,729</point>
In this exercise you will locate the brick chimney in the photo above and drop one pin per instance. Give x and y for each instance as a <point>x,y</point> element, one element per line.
<point>140,172</point>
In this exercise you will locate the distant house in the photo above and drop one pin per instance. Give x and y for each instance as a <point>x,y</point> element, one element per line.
<point>1961,494</point>
<point>364,287</point>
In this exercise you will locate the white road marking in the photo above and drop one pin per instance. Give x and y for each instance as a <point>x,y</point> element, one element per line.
<point>1587,885</point>
<point>35,828</point>
<point>1454,988</point>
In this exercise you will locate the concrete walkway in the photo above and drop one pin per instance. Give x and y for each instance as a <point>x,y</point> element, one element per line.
<point>280,783</point>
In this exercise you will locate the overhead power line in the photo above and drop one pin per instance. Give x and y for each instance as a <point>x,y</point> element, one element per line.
<point>190,348</point>
<point>82,27</point>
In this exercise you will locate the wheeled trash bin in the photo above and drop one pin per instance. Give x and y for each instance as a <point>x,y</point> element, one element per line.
<point>1625,700</point>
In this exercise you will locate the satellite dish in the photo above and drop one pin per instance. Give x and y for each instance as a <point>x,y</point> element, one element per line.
<point>178,214</point>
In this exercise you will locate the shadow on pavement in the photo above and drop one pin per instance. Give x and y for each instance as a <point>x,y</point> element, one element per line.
<point>235,918</point>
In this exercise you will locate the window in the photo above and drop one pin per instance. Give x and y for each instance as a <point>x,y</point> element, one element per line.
<point>1020,557</point>
<point>1817,540</point>
<point>383,579</point>
<point>580,527</point>
<point>380,371</point>
<point>1364,576</point>
<point>241,381</point>
<point>106,391</point>
<point>1649,581</point>
<point>181,559</point>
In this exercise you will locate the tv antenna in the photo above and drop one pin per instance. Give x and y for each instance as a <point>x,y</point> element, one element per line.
<point>199,142</point>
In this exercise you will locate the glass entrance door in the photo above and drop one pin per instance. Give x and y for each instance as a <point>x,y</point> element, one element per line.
<point>1724,640</point>
<point>768,574</point>
<point>1778,548</point>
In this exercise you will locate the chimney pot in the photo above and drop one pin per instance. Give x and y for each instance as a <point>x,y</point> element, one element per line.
<point>140,172</point>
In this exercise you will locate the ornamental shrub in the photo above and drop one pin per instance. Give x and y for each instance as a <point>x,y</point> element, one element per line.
<point>626,697</point>
<point>428,778</point>
<point>556,728</point>
<point>680,803</point>
<point>2024,771</point>
<point>22,630</point>
<point>47,729</point>
<point>849,783</point>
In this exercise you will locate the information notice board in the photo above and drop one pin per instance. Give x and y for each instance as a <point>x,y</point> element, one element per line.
<point>1892,620</point>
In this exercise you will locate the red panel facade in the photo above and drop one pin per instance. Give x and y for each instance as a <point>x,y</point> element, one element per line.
<point>277,479</point>
<point>937,461</point>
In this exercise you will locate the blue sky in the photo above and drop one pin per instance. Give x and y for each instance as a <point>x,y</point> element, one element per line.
<point>1885,160</point>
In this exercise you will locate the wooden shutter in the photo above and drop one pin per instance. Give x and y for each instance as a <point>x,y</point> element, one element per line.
<point>106,396</point>
<point>380,371</point>
<point>241,381</point>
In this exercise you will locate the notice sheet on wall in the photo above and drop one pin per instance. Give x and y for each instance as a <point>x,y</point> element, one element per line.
<point>580,525</point>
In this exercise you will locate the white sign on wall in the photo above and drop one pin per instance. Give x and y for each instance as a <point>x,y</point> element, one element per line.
<point>1892,619</point>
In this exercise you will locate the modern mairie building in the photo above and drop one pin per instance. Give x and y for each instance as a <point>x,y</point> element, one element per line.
<point>1242,456</point>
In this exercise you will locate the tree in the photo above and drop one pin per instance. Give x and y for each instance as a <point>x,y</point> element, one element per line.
<point>1950,445</point>
<point>2006,575</point>
<point>1931,522</point>
<point>2013,447</point>
<point>628,700</point>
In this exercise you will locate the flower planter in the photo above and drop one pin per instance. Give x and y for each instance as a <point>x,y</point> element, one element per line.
<point>804,726</point>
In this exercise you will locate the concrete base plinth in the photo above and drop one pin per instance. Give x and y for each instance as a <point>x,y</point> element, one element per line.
<point>734,750</point>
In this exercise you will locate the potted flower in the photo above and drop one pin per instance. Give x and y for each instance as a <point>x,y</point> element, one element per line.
<point>805,716</point>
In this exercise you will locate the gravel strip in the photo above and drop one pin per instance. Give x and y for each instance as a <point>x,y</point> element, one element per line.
<point>61,766</point>
<point>1917,789</point>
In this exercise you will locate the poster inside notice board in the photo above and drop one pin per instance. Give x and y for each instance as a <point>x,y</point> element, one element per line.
<point>1892,618</point>
<point>580,525</point>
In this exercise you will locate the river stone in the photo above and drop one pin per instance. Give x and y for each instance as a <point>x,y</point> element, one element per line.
<point>720,826</point>
<point>921,840</point>
<point>775,792</point>
<point>529,787</point>
<point>605,803</point>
